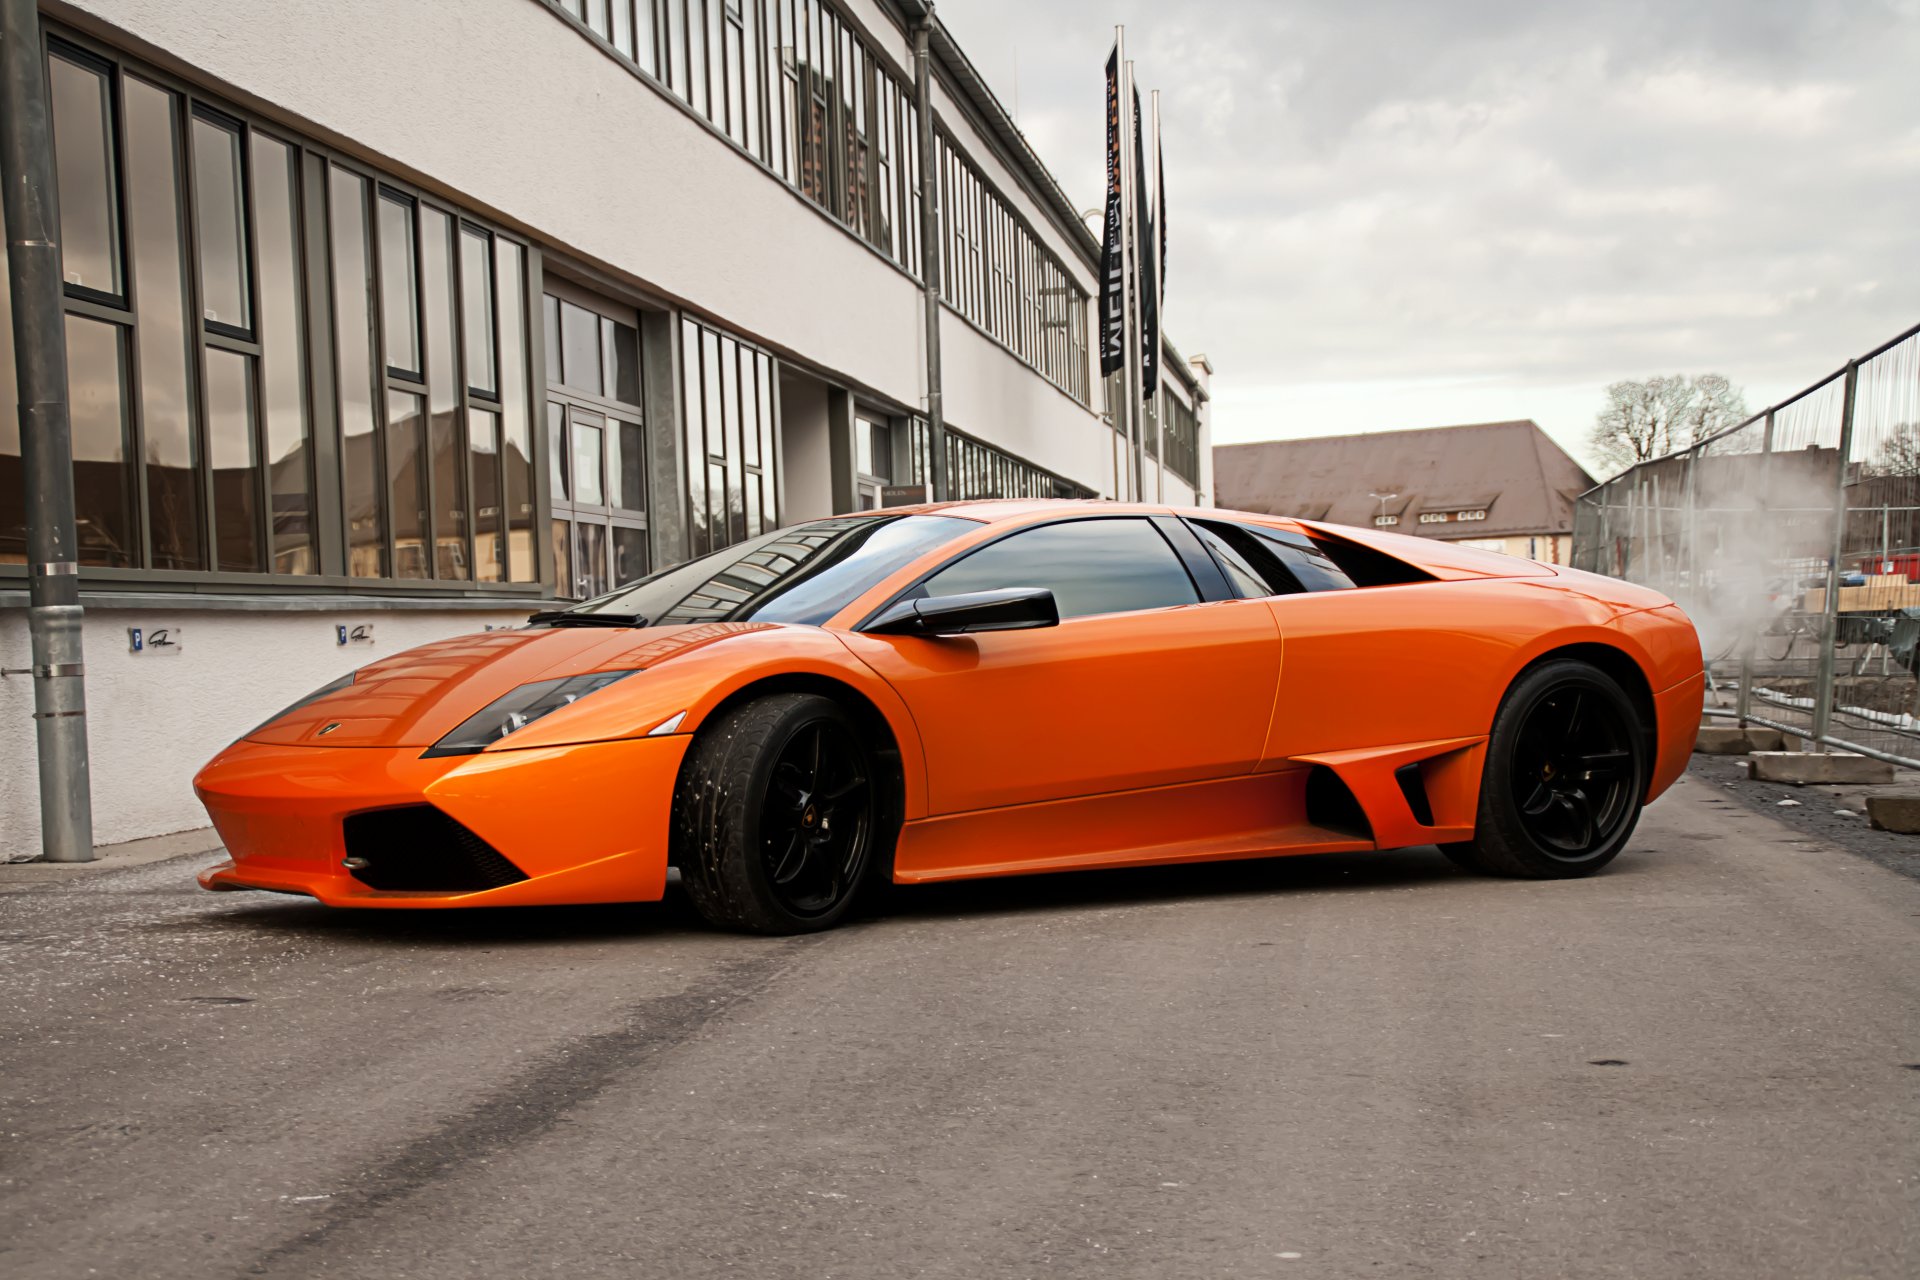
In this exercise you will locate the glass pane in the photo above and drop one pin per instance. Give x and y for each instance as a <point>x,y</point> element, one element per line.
<point>750,407</point>
<point>629,554</point>
<point>697,55</point>
<point>222,210</point>
<point>476,302</point>
<point>236,461</point>
<point>643,46</point>
<point>690,384</point>
<point>590,559</point>
<point>623,25</point>
<point>562,537</point>
<point>608,357</point>
<point>580,349</point>
<point>489,532</point>
<point>440,319</point>
<point>102,479</point>
<point>763,366</point>
<point>627,464</point>
<point>516,431</point>
<point>711,367</point>
<point>399,310</point>
<point>352,327</point>
<point>717,523</point>
<point>625,363</point>
<point>13,501</point>
<point>587,488</point>
<point>596,15</point>
<point>1091,566</point>
<point>283,353</point>
<point>863,430</point>
<point>550,314</point>
<point>156,227</point>
<point>406,477</point>
<point>557,451</point>
<point>84,172</point>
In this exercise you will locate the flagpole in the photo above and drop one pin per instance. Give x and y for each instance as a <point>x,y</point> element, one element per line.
<point>1130,259</point>
<point>1159,307</point>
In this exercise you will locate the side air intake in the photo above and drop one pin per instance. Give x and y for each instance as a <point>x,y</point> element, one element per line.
<point>419,849</point>
<point>1414,787</point>
<point>1332,806</point>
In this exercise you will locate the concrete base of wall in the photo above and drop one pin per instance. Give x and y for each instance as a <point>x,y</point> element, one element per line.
<point>1818,768</point>
<point>1719,740</point>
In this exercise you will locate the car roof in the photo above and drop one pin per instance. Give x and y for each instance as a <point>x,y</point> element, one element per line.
<point>1009,510</point>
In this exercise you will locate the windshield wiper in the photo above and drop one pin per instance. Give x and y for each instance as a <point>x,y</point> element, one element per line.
<point>568,618</point>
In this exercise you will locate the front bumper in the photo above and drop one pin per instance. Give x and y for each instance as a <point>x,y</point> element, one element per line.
<point>585,823</point>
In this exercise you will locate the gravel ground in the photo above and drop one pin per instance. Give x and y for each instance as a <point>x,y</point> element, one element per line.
<point>1837,815</point>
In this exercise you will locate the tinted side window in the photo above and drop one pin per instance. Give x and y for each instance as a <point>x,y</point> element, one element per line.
<point>1091,566</point>
<point>1270,561</point>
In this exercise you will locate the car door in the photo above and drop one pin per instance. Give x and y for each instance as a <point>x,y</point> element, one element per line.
<point>1152,677</point>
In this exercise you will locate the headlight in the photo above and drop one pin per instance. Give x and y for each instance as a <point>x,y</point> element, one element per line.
<point>518,710</point>
<point>290,708</point>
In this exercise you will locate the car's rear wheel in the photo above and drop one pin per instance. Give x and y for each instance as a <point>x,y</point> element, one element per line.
<point>775,817</point>
<point>1564,777</point>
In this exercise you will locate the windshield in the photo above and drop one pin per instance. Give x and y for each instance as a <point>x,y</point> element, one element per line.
<point>806,573</point>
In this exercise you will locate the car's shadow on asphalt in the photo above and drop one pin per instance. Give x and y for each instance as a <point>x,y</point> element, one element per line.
<point>891,905</point>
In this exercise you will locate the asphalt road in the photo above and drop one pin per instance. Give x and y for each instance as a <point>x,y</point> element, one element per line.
<point>1706,1063</point>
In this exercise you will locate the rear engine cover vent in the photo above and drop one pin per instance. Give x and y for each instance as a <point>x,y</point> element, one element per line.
<point>419,849</point>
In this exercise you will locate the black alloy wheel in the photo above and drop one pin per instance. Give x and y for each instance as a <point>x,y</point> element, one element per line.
<point>1564,778</point>
<point>775,816</point>
<point>817,820</point>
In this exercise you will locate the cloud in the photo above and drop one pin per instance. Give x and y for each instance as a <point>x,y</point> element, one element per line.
<point>1446,209</point>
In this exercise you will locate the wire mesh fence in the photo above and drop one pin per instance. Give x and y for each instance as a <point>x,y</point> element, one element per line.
<point>1793,541</point>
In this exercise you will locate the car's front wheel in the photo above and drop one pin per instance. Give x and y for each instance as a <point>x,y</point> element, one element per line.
<point>775,817</point>
<point>1564,778</point>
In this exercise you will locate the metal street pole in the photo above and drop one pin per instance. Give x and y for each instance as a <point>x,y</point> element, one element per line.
<point>930,254</point>
<point>1830,620</point>
<point>46,439</point>
<point>1130,268</point>
<point>1159,315</point>
<point>1745,704</point>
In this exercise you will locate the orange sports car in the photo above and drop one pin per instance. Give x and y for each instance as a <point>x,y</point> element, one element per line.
<point>978,689</point>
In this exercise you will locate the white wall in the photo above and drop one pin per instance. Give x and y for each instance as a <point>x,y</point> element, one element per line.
<point>153,719</point>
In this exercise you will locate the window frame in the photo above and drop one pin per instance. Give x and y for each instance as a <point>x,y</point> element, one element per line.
<point>1209,588</point>
<point>312,222</point>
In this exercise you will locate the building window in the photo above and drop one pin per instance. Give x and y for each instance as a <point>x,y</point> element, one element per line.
<point>1180,426</point>
<point>193,374</point>
<point>977,470</point>
<point>731,418</point>
<point>596,449</point>
<point>998,275</point>
<point>872,459</point>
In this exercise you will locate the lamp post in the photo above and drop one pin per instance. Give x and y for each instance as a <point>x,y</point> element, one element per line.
<point>1383,499</point>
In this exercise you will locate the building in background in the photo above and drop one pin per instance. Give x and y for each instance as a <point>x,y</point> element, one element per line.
<point>387,321</point>
<point>1503,486</point>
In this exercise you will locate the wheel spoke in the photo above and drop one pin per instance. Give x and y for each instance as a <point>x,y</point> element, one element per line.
<point>1573,718</point>
<point>845,789</point>
<point>813,765</point>
<point>1538,800</point>
<point>1574,807</point>
<point>1604,765</point>
<point>792,860</point>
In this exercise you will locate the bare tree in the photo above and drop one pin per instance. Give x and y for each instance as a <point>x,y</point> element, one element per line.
<point>1649,419</point>
<point>1898,453</point>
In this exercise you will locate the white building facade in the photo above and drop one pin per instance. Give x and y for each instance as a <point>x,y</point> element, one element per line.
<point>388,320</point>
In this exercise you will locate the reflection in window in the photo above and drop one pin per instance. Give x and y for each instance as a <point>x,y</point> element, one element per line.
<point>580,348</point>
<point>516,430</point>
<point>476,298</point>
<point>730,494</point>
<point>587,489</point>
<point>82,102</point>
<point>627,466</point>
<point>1091,566</point>
<point>168,421</point>
<point>222,212</point>
<point>97,408</point>
<point>489,528</point>
<point>13,489</point>
<point>353,334</point>
<point>236,461</point>
<point>400,312</point>
<point>441,322</point>
<point>406,477</point>
<point>283,347</point>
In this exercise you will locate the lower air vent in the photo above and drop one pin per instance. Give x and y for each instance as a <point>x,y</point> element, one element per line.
<point>1332,806</point>
<point>1414,788</point>
<point>421,850</point>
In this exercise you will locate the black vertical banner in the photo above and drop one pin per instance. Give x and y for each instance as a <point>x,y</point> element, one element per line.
<point>1149,272</point>
<point>1113,303</point>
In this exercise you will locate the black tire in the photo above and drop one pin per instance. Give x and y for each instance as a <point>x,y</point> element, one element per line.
<point>765,844</point>
<point>1565,777</point>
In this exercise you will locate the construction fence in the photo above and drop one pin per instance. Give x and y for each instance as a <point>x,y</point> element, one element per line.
<point>1793,541</point>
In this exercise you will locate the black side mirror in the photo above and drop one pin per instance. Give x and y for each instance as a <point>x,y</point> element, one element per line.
<point>1010,609</point>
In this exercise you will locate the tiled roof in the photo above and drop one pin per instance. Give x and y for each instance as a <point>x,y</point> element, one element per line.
<point>1512,470</point>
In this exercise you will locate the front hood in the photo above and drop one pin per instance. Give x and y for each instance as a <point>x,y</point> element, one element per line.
<point>414,699</point>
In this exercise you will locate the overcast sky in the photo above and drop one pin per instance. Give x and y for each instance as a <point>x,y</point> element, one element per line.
<point>1395,213</point>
